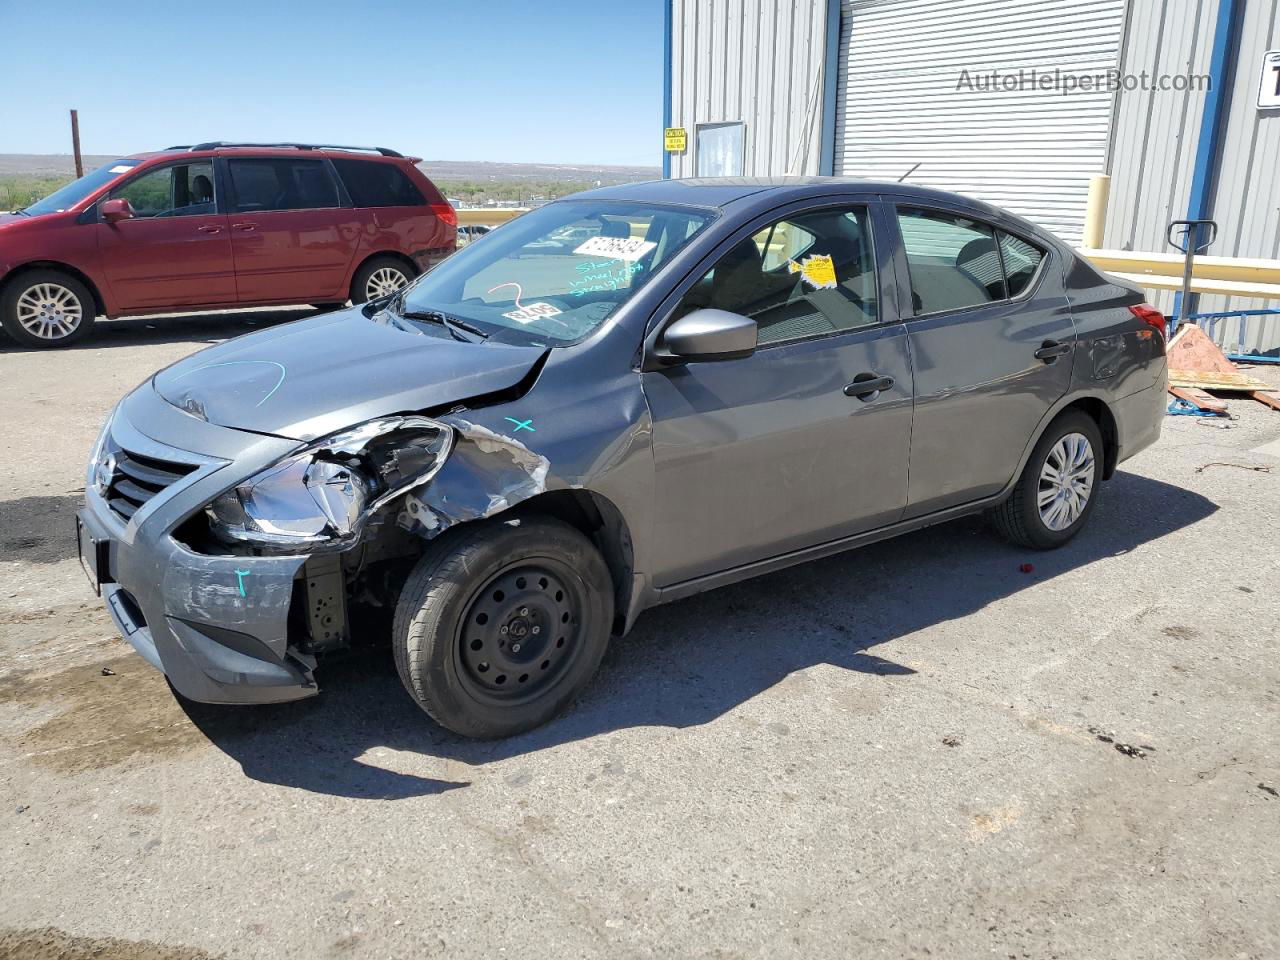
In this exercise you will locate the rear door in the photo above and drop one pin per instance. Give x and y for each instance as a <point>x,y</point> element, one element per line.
<point>291,239</point>
<point>176,250</point>
<point>775,452</point>
<point>991,346</point>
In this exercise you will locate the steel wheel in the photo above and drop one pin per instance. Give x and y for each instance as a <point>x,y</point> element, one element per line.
<point>49,311</point>
<point>521,632</point>
<point>1066,481</point>
<point>384,281</point>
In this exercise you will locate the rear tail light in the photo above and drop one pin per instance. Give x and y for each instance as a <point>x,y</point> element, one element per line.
<point>1150,316</point>
<point>446,213</point>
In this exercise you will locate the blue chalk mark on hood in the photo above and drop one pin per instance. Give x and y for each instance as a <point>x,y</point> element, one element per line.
<point>237,363</point>
<point>521,424</point>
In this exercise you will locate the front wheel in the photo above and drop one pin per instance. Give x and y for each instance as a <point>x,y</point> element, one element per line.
<point>500,626</point>
<point>1058,488</point>
<point>46,308</point>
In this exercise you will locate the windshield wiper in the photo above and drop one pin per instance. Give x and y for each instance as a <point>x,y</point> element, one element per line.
<point>453,324</point>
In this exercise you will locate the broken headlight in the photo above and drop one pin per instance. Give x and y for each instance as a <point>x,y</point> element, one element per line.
<point>321,496</point>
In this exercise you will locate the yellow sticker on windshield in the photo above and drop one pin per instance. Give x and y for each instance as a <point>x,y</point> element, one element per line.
<point>818,271</point>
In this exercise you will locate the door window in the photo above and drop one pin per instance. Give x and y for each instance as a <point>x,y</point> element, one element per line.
<point>1021,261</point>
<point>809,275</point>
<point>183,190</point>
<point>953,260</point>
<point>374,184</point>
<point>285,184</point>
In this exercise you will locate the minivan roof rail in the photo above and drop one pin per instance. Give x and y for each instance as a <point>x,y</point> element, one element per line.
<point>218,144</point>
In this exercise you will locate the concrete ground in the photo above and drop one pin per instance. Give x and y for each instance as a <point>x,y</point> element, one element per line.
<point>911,750</point>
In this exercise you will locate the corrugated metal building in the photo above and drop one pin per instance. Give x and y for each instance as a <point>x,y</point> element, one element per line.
<point>990,100</point>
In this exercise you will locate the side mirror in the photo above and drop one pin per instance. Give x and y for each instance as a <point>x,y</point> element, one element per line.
<point>115,210</point>
<point>710,335</point>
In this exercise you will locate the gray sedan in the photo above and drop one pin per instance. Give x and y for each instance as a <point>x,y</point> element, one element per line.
<point>520,452</point>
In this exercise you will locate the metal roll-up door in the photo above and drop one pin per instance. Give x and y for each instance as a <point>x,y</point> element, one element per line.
<point>903,99</point>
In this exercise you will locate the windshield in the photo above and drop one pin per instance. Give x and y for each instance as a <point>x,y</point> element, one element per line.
<point>77,190</point>
<point>555,274</point>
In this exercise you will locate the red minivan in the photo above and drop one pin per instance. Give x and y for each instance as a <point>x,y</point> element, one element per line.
<point>215,226</point>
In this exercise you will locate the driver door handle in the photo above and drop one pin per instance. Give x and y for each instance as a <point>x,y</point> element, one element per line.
<point>245,226</point>
<point>865,386</point>
<point>209,228</point>
<point>1051,350</point>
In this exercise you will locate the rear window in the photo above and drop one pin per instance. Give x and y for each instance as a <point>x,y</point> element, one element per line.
<point>282,185</point>
<point>372,184</point>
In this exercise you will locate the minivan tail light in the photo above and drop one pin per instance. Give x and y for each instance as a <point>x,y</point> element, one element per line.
<point>446,213</point>
<point>1150,316</point>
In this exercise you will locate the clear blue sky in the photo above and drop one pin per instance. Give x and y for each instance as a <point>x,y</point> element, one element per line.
<point>556,81</point>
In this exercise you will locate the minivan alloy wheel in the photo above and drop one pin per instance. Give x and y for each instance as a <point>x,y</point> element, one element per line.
<point>384,281</point>
<point>49,311</point>
<point>1066,481</point>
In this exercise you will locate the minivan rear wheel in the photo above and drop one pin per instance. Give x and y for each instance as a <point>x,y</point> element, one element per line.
<point>1058,488</point>
<point>47,308</point>
<point>500,626</point>
<point>380,277</point>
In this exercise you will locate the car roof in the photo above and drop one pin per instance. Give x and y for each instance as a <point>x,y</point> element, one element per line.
<point>267,150</point>
<point>718,192</point>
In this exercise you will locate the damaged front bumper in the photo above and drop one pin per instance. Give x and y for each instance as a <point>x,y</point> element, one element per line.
<point>216,618</point>
<point>217,626</point>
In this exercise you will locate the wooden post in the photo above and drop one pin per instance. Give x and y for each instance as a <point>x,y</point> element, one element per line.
<point>75,143</point>
<point>1095,212</point>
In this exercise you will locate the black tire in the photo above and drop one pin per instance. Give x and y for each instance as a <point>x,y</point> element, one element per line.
<point>1018,518</point>
<point>360,292</point>
<point>456,625</point>
<point>52,281</point>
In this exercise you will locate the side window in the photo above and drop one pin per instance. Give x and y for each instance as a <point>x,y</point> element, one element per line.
<point>953,260</point>
<point>184,190</point>
<point>1021,261</point>
<point>374,184</point>
<point>262,185</point>
<point>805,276</point>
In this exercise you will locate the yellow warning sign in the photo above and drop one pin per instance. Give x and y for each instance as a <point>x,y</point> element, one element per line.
<point>818,271</point>
<point>675,140</point>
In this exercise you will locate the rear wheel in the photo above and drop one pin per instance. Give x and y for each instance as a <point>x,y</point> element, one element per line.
<point>47,308</point>
<point>380,277</point>
<point>1058,488</point>
<point>499,627</point>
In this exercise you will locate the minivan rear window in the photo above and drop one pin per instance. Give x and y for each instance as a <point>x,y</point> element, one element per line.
<point>373,184</point>
<point>282,185</point>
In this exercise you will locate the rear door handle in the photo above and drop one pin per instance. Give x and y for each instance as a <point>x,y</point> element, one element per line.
<point>1051,350</point>
<point>865,386</point>
<point>245,226</point>
<point>209,228</point>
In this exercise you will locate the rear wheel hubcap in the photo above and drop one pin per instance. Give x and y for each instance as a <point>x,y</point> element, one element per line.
<point>1066,481</point>
<point>384,281</point>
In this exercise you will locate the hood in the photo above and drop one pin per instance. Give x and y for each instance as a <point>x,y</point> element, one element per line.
<point>306,379</point>
<point>10,218</point>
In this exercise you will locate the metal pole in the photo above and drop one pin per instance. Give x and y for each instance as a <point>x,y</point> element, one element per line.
<point>75,143</point>
<point>1193,235</point>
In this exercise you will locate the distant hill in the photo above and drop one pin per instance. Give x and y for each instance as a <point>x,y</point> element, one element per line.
<point>54,164</point>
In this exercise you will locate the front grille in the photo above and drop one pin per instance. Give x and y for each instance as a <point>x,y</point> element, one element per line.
<point>137,479</point>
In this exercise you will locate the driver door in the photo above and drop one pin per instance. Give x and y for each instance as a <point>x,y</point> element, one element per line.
<point>760,456</point>
<point>176,249</point>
